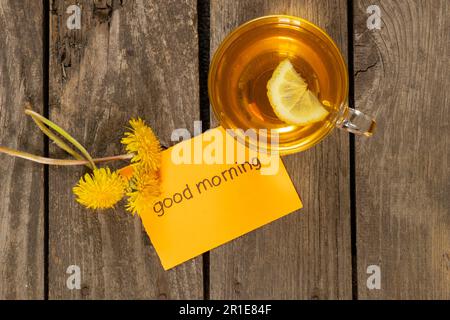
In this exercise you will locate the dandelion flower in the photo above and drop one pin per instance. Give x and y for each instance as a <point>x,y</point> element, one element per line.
<point>144,144</point>
<point>144,189</point>
<point>100,190</point>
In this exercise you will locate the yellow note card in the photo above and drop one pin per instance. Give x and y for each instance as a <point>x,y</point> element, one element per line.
<point>203,206</point>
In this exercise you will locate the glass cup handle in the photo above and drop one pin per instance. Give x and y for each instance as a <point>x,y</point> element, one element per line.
<point>356,122</point>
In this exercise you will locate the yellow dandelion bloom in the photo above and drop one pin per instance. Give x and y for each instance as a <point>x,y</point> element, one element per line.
<point>100,190</point>
<point>144,189</point>
<point>144,144</point>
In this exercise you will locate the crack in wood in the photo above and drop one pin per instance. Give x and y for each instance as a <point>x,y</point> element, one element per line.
<point>366,69</point>
<point>103,9</point>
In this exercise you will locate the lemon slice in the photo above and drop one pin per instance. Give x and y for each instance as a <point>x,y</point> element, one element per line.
<point>290,98</point>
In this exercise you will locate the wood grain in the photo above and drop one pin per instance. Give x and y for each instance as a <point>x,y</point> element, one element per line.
<point>307,254</point>
<point>402,173</point>
<point>130,59</point>
<point>21,182</point>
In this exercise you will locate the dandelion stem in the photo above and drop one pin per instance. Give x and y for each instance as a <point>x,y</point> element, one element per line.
<point>60,162</point>
<point>63,133</point>
<point>59,142</point>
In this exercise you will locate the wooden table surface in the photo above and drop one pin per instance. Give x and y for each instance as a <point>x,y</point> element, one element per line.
<point>367,202</point>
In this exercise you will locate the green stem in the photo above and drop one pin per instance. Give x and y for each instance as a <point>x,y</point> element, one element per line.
<point>60,162</point>
<point>63,133</point>
<point>59,142</point>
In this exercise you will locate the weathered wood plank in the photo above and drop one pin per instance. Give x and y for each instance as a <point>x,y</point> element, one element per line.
<point>130,59</point>
<point>21,182</point>
<point>402,174</point>
<point>307,254</point>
